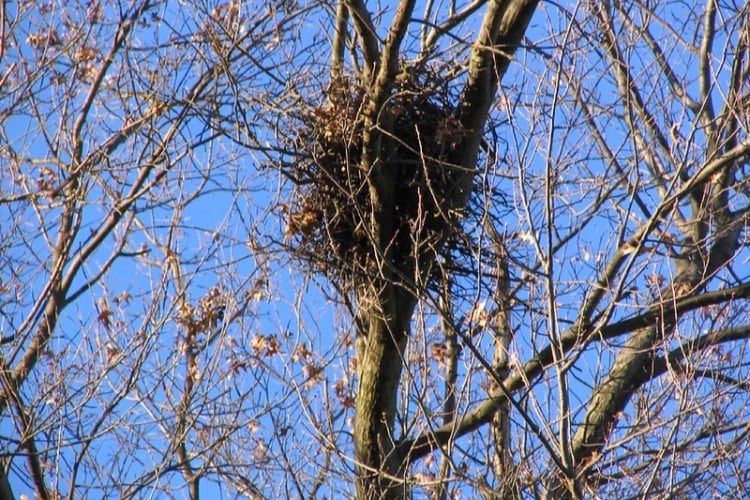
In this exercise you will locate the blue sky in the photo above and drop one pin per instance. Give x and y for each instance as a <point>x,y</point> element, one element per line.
<point>259,382</point>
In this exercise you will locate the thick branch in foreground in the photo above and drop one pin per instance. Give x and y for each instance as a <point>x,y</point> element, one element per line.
<point>633,365</point>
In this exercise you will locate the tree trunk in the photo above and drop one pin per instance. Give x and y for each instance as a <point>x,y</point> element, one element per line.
<point>380,354</point>
<point>386,307</point>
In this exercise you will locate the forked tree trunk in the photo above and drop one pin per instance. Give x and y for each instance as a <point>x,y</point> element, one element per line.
<point>385,306</point>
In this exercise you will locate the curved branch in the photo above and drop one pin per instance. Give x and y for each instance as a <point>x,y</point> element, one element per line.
<point>671,360</point>
<point>499,37</point>
<point>446,26</point>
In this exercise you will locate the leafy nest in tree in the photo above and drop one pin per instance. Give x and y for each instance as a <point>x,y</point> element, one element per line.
<point>329,218</point>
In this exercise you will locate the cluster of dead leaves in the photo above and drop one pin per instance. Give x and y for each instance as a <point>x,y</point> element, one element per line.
<point>206,315</point>
<point>265,346</point>
<point>105,312</point>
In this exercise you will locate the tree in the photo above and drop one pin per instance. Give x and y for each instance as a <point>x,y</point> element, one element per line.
<point>527,220</point>
<point>404,167</point>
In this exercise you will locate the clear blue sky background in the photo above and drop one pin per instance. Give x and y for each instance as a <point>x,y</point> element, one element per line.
<point>218,231</point>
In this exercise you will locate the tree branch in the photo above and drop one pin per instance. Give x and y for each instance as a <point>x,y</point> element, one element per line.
<point>500,35</point>
<point>368,38</point>
<point>420,446</point>
<point>340,37</point>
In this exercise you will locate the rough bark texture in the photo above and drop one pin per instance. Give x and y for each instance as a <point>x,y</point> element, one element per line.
<point>385,308</point>
<point>380,354</point>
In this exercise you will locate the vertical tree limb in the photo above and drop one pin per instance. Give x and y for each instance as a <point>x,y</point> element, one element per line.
<point>340,37</point>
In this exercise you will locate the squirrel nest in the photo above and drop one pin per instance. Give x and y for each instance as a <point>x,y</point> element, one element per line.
<point>328,220</point>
